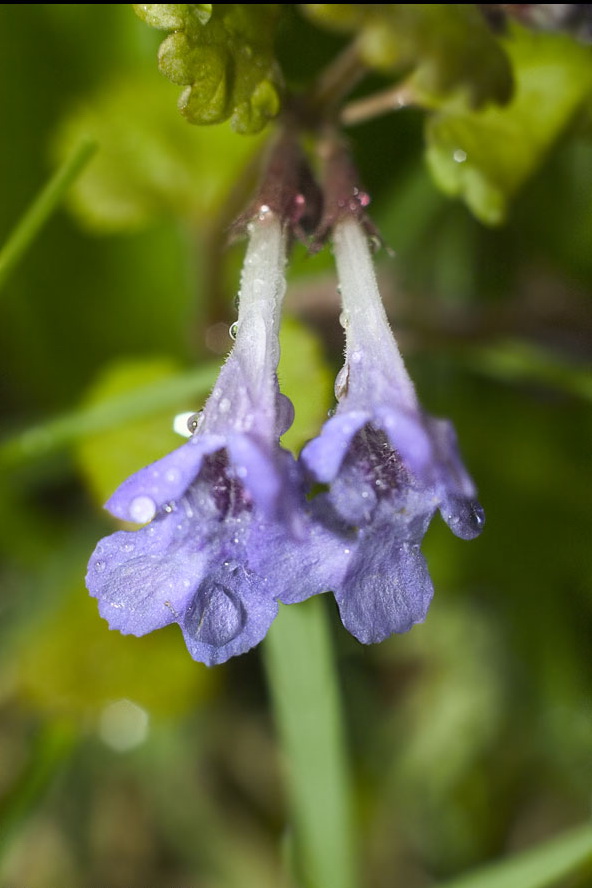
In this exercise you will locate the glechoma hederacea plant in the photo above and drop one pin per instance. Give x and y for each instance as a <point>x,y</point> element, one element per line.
<point>233,523</point>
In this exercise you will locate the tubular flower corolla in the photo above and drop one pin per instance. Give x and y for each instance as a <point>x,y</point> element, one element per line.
<point>212,507</point>
<point>388,465</point>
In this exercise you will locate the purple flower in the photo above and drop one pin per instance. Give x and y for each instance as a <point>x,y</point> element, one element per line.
<point>389,465</point>
<point>215,505</point>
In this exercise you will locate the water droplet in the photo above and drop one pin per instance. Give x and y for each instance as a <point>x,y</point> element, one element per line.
<point>331,412</point>
<point>346,551</point>
<point>194,421</point>
<point>173,475</point>
<point>181,423</point>
<point>375,243</point>
<point>459,156</point>
<point>344,319</point>
<point>170,507</point>
<point>128,547</point>
<point>233,330</point>
<point>224,405</point>
<point>142,509</point>
<point>264,211</point>
<point>100,566</point>
<point>237,299</point>
<point>356,357</point>
<point>341,383</point>
<point>186,584</point>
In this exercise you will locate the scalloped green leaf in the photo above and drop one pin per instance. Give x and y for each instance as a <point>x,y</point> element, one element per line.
<point>484,157</point>
<point>449,47</point>
<point>150,163</point>
<point>224,55</point>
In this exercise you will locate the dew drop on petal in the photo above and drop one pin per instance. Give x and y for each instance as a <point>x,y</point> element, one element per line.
<point>142,509</point>
<point>194,421</point>
<point>181,423</point>
<point>224,405</point>
<point>341,383</point>
<point>100,566</point>
<point>172,476</point>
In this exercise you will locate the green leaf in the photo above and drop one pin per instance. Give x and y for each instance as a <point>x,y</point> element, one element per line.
<point>59,674</point>
<point>109,456</point>
<point>150,163</point>
<point>43,206</point>
<point>301,673</point>
<point>307,379</point>
<point>540,867</point>
<point>223,53</point>
<point>448,46</point>
<point>485,157</point>
<point>157,389</point>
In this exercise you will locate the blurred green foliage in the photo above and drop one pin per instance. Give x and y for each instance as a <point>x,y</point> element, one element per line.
<point>471,737</point>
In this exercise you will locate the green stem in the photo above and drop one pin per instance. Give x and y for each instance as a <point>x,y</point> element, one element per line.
<point>304,690</point>
<point>42,207</point>
<point>540,867</point>
<point>51,750</point>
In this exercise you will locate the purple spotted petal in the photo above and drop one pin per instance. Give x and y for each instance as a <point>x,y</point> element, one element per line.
<point>323,455</point>
<point>254,465</point>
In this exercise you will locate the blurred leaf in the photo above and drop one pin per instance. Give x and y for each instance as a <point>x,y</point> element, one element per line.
<point>308,715</point>
<point>448,722</point>
<point>485,156</point>
<point>51,749</point>
<point>72,663</point>
<point>448,46</point>
<point>150,163</point>
<point>518,361</point>
<point>223,53</point>
<point>163,389</point>
<point>307,379</point>
<point>540,867</point>
<point>109,456</point>
<point>42,207</point>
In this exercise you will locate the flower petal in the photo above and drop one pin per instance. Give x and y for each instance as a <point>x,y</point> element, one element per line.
<point>142,495</point>
<point>144,578</point>
<point>230,613</point>
<point>386,589</point>
<point>254,466</point>
<point>323,455</point>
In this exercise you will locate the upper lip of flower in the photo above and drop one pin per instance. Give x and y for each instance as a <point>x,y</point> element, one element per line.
<point>375,391</point>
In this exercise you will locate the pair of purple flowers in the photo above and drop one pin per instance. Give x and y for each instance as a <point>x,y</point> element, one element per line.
<point>231,525</point>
